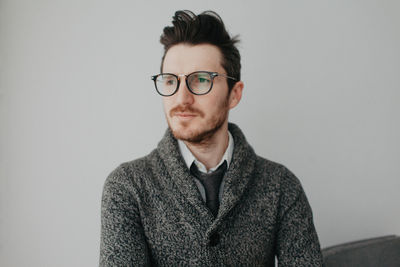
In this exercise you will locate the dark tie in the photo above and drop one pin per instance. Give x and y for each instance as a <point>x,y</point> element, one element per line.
<point>211,182</point>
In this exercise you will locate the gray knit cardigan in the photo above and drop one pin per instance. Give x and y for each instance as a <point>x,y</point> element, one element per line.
<point>152,214</point>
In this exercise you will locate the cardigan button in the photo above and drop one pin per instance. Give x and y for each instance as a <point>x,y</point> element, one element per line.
<point>214,239</point>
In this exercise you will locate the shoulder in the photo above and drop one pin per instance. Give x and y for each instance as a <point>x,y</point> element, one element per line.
<point>288,187</point>
<point>280,176</point>
<point>276,170</point>
<point>130,174</point>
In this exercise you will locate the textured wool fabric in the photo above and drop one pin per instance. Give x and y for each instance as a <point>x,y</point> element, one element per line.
<point>152,214</point>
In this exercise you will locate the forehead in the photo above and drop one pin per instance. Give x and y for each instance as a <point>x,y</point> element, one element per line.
<point>186,58</point>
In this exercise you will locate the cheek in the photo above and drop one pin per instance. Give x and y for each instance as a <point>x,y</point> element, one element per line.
<point>211,107</point>
<point>219,100</point>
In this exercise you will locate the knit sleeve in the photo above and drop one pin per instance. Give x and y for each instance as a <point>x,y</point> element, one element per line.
<point>297,240</point>
<point>122,236</point>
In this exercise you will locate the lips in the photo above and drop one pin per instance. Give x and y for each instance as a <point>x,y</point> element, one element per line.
<point>185,112</point>
<point>185,115</point>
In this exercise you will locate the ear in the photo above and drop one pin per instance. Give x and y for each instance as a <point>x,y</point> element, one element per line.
<point>235,94</point>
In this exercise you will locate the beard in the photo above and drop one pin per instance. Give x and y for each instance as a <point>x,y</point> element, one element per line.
<point>205,130</point>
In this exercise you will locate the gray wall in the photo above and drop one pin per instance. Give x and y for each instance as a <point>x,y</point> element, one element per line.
<point>321,96</point>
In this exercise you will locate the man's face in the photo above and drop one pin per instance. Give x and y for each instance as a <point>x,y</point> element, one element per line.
<point>195,118</point>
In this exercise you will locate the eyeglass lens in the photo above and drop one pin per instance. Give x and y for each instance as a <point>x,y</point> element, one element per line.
<point>198,83</point>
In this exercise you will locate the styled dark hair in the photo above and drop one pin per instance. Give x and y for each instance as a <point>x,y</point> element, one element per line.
<point>205,28</point>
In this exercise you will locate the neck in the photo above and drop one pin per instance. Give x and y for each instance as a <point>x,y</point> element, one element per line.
<point>211,150</point>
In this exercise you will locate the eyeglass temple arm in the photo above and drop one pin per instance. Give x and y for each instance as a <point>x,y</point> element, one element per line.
<point>223,75</point>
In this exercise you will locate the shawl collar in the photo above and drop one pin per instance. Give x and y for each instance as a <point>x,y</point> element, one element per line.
<point>236,177</point>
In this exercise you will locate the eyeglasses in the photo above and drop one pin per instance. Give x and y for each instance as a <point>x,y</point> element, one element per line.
<point>198,82</point>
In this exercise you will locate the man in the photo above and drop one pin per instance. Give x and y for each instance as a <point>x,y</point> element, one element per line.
<point>203,197</point>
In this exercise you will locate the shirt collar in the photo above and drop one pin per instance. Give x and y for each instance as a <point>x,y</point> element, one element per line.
<point>189,158</point>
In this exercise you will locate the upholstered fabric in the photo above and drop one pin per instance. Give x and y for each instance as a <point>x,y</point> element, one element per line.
<point>374,252</point>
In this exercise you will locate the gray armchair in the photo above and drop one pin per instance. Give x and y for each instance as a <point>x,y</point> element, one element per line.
<point>382,251</point>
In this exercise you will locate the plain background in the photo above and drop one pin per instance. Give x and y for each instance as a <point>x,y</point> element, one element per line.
<point>321,96</point>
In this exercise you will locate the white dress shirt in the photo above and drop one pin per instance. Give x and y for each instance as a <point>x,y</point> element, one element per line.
<point>189,159</point>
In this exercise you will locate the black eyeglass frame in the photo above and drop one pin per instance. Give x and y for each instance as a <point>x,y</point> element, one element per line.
<point>212,74</point>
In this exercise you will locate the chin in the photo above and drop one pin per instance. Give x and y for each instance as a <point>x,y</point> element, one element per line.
<point>195,135</point>
<point>185,132</point>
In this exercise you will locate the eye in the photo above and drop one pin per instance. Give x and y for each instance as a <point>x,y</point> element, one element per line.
<point>203,80</point>
<point>170,82</point>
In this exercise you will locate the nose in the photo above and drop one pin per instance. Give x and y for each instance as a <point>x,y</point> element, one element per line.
<point>184,97</point>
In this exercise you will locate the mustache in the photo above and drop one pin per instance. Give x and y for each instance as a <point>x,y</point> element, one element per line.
<point>181,109</point>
